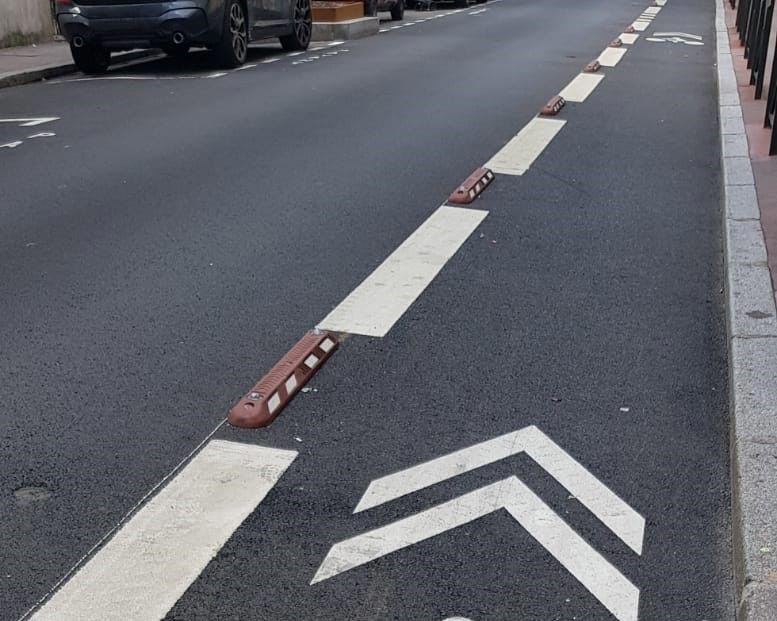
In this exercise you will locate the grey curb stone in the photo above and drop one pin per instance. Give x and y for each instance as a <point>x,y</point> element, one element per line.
<point>745,242</point>
<point>737,170</point>
<point>733,125</point>
<point>742,202</point>
<point>753,395</point>
<point>751,304</point>
<point>752,340</point>
<point>735,145</point>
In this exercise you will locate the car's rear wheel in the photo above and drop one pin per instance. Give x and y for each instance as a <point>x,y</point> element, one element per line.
<point>302,23</point>
<point>398,11</point>
<point>232,50</point>
<point>91,59</point>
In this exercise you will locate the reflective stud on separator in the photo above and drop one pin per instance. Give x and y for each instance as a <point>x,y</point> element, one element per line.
<point>262,404</point>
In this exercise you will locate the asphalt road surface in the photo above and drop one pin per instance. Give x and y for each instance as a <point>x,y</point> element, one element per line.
<point>543,371</point>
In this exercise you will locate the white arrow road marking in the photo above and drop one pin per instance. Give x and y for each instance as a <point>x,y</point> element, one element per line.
<point>10,145</point>
<point>590,568</point>
<point>616,514</point>
<point>31,122</point>
<point>42,135</point>
<point>677,34</point>
<point>148,565</point>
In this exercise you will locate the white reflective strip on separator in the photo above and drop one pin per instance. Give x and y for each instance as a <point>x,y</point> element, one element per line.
<point>291,384</point>
<point>273,403</point>
<point>311,361</point>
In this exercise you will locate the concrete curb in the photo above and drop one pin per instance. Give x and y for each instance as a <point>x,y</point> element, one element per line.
<point>752,346</point>
<point>54,71</point>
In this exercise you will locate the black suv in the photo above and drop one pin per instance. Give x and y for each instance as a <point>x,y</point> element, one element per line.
<point>96,27</point>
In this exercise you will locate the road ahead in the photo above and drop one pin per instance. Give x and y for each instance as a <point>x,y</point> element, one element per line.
<point>184,227</point>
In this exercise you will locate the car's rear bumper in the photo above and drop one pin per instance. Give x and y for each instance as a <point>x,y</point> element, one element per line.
<point>141,25</point>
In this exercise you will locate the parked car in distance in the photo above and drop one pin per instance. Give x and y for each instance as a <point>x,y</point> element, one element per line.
<point>397,8</point>
<point>95,28</point>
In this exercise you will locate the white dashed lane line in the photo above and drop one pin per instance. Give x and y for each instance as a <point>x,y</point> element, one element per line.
<point>517,156</point>
<point>148,564</point>
<point>581,87</point>
<point>611,56</point>
<point>384,296</point>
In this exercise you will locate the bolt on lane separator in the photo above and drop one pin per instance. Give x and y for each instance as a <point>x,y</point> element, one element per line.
<point>472,187</point>
<point>264,402</point>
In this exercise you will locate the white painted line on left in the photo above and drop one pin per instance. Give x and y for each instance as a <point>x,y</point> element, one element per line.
<point>31,122</point>
<point>267,61</point>
<point>377,303</point>
<point>220,74</point>
<point>611,56</point>
<point>151,561</point>
<point>581,87</point>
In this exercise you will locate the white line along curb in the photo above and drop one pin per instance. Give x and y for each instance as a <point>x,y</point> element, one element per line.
<point>752,345</point>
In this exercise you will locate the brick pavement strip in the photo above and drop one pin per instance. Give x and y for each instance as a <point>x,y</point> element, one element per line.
<point>752,344</point>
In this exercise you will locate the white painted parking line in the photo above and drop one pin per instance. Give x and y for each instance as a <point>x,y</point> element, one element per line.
<point>148,565</point>
<point>628,38</point>
<point>581,87</point>
<point>267,61</point>
<point>384,296</point>
<point>244,67</point>
<point>611,56</point>
<point>220,74</point>
<point>517,156</point>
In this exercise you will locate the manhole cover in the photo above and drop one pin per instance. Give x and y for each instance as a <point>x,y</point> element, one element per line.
<point>31,493</point>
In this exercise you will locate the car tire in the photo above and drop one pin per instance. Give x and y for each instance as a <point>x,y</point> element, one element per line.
<point>398,11</point>
<point>232,50</point>
<point>91,59</point>
<point>302,27</point>
<point>176,51</point>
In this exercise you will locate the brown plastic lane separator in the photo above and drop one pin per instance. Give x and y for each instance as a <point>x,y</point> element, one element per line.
<point>592,67</point>
<point>472,187</point>
<point>260,406</point>
<point>553,107</point>
<point>630,30</point>
<point>616,43</point>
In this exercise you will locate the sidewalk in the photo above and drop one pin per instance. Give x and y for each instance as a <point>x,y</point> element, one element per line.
<point>20,65</point>
<point>750,180</point>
